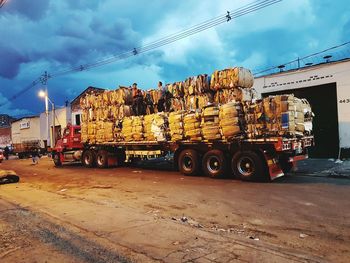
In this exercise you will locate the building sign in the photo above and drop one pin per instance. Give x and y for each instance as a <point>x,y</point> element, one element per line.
<point>24,124</point>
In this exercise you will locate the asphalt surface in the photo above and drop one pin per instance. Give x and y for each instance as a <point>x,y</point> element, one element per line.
<point>132,214</point>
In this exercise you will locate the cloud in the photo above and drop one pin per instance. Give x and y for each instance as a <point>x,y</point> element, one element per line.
<point>55,35</point>
<point>10,61</point>
<point>28,8</point>
<point>6,107</point>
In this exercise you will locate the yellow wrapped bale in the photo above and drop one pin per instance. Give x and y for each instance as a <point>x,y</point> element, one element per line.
<point>231,78</point>
<point>176,125</point>
<point>229,121</point>
<point>191,121</point>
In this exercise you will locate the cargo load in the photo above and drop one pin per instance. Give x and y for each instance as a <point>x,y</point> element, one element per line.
<point>200,108</point>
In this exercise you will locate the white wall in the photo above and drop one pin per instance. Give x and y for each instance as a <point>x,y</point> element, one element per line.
<point>337,72</point>
<point>79,112</point>
<point>32,132</point>
<point>63,117</point>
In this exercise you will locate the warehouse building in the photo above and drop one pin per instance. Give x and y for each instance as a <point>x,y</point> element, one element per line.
<point>327,87</point>
<point>75,104</point>
<point>26,129</point>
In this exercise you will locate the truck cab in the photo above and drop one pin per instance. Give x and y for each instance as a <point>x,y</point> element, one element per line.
<point>71,139</point>
<point>69,146</point>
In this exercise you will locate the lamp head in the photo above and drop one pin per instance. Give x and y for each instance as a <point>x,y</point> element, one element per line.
<point>42,94</point>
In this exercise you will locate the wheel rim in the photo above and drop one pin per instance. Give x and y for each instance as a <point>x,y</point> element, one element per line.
<point>100,160</point>
<point>213,164</point>
<point>245,166</point>
<point>187,163</point>
<point>87,159</point>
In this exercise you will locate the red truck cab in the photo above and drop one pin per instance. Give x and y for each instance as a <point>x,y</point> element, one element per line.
<point>69,147</point>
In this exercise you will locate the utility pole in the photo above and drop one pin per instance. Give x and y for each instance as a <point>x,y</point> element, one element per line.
<point>44,79</point>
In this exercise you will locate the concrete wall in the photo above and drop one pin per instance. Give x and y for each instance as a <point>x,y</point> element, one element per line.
<point>337,72</point>
<point>5,136</point>
<point>32,132</point>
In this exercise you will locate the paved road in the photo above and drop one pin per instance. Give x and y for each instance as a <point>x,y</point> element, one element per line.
<point>74,214</point>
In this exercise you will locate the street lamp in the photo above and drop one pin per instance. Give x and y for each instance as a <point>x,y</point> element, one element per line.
<point>43,94</point>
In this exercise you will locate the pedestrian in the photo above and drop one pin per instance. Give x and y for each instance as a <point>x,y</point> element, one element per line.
<point>35,156</point>
<point>6,152</point>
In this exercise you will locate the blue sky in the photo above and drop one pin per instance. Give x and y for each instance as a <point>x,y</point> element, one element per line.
<point>54,35</point>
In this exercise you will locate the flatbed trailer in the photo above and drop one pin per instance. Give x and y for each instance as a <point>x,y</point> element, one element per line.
<point>247,159</point>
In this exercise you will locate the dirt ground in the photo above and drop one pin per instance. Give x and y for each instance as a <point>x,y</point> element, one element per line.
<point>133,214</point>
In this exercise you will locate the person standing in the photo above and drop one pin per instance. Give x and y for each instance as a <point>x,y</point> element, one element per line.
<point>35,156</point>
<point>6,152</point>
<point>161,101</point>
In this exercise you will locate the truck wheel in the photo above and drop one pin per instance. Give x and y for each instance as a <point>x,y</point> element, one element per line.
<point>57,159</point>
<point>214,164</point>
<point>189,162</point>
<point>102,159</point>
<point>247,166</point>
<point>88,158</point>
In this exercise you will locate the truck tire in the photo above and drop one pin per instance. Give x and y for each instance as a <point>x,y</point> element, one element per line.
<point>188,162</point>
<point>248,166</point>
<point>102,159</point>
<point>214,164</point>
<point>88,158</point>
<point>57,159</point>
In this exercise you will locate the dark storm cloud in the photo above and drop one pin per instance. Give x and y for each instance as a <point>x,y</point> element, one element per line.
<point>33,10</point>
<point>56,35</point>
<point>10,61</point>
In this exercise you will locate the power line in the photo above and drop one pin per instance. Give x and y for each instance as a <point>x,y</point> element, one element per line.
<point>302,58</point>
<point>257,5</point>
<point>227,17</point>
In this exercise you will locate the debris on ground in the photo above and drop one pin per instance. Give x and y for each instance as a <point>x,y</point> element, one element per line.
<point>302,235</point>
<point>8,177</point>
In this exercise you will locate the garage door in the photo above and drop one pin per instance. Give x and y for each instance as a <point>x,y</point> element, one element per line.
<point>323,100</point>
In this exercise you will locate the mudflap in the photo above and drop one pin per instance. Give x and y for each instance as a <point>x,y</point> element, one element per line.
<point>113,161</point>
<point>61,156</point>
<point>273,166</point>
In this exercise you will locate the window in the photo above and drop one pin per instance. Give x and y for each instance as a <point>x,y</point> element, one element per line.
<point>77,119</point>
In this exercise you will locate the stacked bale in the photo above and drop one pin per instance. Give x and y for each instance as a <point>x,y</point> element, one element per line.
<point>254,119</point>
<point>231,78</point>
<point>229,117</point>
<point>176,125</point>
<point>210,123</point>
<point>91,132</point>
<point>282,115</point>
<point>84,132</point>
<point>148,134</point>
<point>117,131</point>
<point>127,129</point>
<point>159,126</point>
<point>192,126</point>
<point>137,128</point>
<point>200,107</point>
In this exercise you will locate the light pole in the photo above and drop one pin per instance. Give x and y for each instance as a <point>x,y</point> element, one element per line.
<point>43,94</point>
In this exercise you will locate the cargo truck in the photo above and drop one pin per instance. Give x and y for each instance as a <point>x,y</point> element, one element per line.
<point>247,159</point>
<point>25,148</point>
